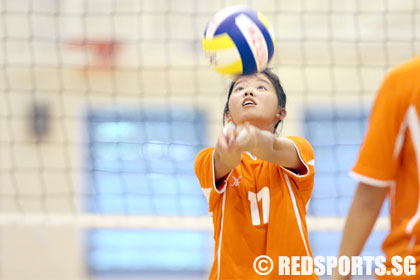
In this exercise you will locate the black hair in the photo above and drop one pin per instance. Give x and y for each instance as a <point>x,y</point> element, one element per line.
<point>275,81</point>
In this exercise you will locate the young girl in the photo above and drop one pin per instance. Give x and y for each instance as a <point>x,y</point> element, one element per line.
<point>257,184</point>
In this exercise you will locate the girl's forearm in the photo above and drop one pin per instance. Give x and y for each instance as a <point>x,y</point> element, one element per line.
<point>277,150</point>
<point>224,163</point>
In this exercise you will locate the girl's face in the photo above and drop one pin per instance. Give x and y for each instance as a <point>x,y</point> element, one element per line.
<point>254,99</point>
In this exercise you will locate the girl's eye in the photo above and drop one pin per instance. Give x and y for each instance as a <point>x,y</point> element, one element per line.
<point>239,88</point>
<point>261,87</point>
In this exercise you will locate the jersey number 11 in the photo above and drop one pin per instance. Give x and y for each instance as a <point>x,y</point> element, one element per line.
<point>254,198</point>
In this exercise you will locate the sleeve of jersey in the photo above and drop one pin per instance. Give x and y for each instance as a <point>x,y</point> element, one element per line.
<point>306,156</point>
<point>204,169</point>
<point>376,164</point>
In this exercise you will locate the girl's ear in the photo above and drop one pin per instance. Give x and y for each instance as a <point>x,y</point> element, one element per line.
<point>281,114</point>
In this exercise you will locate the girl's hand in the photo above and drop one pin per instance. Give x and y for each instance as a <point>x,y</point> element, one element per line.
<point>238,139</point>
<point>226,138</point>
<point>226,155</point>
<point>246,137</point>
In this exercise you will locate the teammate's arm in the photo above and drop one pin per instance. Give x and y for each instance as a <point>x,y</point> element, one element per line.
<point>363,213</point>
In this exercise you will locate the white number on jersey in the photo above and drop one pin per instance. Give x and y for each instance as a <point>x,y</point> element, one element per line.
<point>264,195</point>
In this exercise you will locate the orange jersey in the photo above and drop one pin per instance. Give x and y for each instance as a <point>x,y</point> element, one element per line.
<point>258,209</point>
<point>390,156</point>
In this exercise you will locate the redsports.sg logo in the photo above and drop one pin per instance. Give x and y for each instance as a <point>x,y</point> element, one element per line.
<point>322,266</point>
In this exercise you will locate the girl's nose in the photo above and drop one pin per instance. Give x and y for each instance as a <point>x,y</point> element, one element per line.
<point>248,92</point>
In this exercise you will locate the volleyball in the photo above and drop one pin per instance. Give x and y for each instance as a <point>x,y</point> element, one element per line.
<point>238,41</point>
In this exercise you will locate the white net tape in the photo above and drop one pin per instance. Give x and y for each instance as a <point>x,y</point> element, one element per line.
<point>155,222</point>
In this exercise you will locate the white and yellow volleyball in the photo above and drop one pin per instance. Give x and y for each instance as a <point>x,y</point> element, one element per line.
<point>238,41</point>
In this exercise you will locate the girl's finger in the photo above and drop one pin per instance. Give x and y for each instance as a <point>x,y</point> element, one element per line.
<point>223,141</point>
<point>231,139</point>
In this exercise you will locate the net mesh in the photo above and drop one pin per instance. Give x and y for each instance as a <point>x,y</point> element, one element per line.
<point>104,104</point>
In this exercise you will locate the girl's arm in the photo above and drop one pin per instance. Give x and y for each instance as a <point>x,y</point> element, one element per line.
<point>261,143</point>
<point>226,155</point>
<point>266,146</point>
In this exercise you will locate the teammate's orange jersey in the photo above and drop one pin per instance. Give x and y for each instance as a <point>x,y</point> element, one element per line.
<point>390,156</point>
<point>258,209</point>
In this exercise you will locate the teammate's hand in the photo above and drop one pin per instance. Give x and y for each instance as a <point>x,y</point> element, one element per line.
<point>337,276</point>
